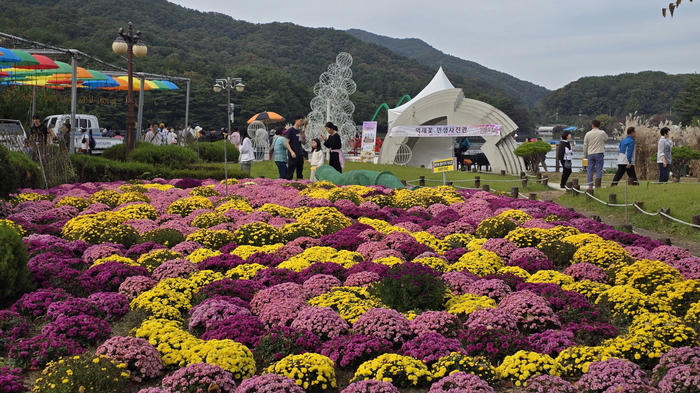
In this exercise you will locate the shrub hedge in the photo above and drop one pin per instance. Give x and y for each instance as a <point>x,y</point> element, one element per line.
<point>29,172</point>
<point>214,151</point>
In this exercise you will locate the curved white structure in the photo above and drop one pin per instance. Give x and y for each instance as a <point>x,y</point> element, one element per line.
<point>442,104</point>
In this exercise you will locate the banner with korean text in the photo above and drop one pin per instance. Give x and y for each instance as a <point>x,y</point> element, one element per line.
<point>369,136</point>
<point>445,131</point>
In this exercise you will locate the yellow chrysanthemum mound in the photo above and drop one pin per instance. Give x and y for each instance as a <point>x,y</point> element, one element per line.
<point>401,371</point>
<point>139,211</point>
<point>479,262</point>
<point>77,202</point>
<point>607,255</point>
<point>463,305</point>
<point>325,220</point>
<point>311,371</point>
<point>233,357</point>
<point>523,365</point>
<point>626,302</point>
<point>186,206</point>
<point>647,275</point>
<point>100,228</point>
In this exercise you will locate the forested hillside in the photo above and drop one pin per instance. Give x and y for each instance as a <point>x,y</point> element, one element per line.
<point>419,50</point>
<point>279,62</point>
<point>647,93</point>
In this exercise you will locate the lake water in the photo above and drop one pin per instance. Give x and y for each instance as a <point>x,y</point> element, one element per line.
<point>611,150</point>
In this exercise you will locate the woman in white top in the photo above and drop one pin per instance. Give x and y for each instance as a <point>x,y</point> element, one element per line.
<point>316,157</point>
<point>246,152</point>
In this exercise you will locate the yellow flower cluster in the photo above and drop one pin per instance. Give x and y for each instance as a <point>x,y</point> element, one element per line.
<point>309,256</point>
<point>692,317</point>
<point>246,251</point>
<point>295,230</point>
<point>276,210</point>
<point>208,220</point>
<point>605,254</point>
<point>18,228</point>
<point>230,181</point>
<point>647,275</point>
<point>186,206</point>
<point>479,262</point>
<point>256,234</point>
<point>325,220</point>
<point>233,357</point>
<point>346,259</point>
<point>439,246</point>
<point>245,271</point>
<point>680,295</point>
<point>560,232</point>
<point>212,239</point>
<point>108,197</point>
<point>381,225</point>
<point>550,276</point>
<point>475,244</point>
<point>642,349</point>
<point>93,374</point>
<point>162,303</point>
<point>528,237</point>
<point>140,211</point>
<point>575,360</point>
<point>434,262</point>
<point>115,258</point>
<point>132,196</point>
<point>463,305</point>
<point>587,288</point>
<point>77,202</point>
<point>169,339</point>
<point>311,371</point>
<point>516,215</point>
<point>336,194</point>
<point>204,277</point>
<point>514,270</point>
<point>459,239</point>
<point>664,327</point>
<point>201,254</point>
<point>459,362</point>
<point>626,302</point>
<point>155,258</point>
<point>184,286</point>
<point>204,191</point>
<point>133,188</point>
<point>401,371</point>
<point>31,197</point>
<point>158,186</point>
<point>522,365</point>
<point>388,261</point>
<point>236,204</point>
<point>349,302</point>
<point>100,228</point>
<point>582,239</point>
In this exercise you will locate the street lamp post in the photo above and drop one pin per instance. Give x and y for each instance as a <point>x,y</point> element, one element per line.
<point>228,83</point>
<point>129,43</point>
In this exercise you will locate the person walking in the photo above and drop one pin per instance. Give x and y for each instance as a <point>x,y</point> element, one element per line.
<point>663,155</point>
<point>315,158</point>
<point>279,152</point>
<point>153,135</point>
<point>246,152</point>
<point>594,149</point>
<point>235,137</point>
<point>38,132</point>
<point>625,158</point>
<point>295,159</point>
<point>334,144</point>
<point>564,155</point>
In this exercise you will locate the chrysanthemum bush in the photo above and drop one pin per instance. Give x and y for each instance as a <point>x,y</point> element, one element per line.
<point>83,373</point>
<point>311,371</point>
<point>527,286</point>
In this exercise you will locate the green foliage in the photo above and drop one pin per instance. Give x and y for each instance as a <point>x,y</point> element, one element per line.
<point>13,263</point>
<point>532,153</point>
<point>214,152</point>
<point>118,152</point>
<point>406,289</point>
<point>494,227</point>
<point>169,156</point>
<point>95,169</point>
<point>29,172</point>
<point>84,373</point>
<point>165,236</point>
<point>688,103</point>
<point>607,123</point>
<point>9,178</point>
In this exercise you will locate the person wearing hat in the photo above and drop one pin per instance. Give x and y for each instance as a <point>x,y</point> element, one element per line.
<point>334,144</point>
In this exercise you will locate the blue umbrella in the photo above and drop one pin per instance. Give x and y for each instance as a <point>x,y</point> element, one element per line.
<point>572,128</point>
<point>98,84</point>
<point>171,85</point>
<point>8,56</point>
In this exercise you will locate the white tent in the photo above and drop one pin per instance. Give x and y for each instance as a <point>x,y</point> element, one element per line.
<point>440,103</point>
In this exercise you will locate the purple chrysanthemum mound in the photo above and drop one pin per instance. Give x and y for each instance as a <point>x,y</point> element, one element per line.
<point>436,322</point>
<point>548,384</point>
<point>207,377</point>
<point>383,323</point>
<point>142,358</point>
<point>370,386</point>
<point>459,383</point>
<point>352,350</point>
<point>587,271</point>
<point>325,322</point>
<point>244,329</point>
<point>611,372</point>
<point>430,347</point>
<point>269,383</point>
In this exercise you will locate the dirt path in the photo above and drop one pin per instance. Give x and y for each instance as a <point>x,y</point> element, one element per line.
<point>693,247</point>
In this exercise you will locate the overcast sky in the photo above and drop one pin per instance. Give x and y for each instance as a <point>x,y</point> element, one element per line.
<point>547,42</point>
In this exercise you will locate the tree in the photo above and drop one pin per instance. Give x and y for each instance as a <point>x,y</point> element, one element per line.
<point>688,105</point>
<point>532,153</point>
<point>607,123</point>
<point>672,7</point>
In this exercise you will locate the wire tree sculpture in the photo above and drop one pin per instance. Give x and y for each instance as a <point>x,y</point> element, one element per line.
<point>332,102</point>
<point>260,141</point>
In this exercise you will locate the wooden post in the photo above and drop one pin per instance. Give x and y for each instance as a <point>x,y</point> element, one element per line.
<point>477,181</point>
<point>514,192</point>
<point>503,172</point>
<point>576,189</point>
<point>421,182</point>
<point>545,181</point>
<point>524,181</point>
<point>696,221</point>
<point>626,228</point>
<point>449,183</point>
<point>597,218</point>
<point>640,204</point>
<point>404,182</point>
<point>569,187</point>
<point>533,196</point>
<point>612,198</point>
<point>666,210</point>
<point>486,188</point>
<point>665,241</point>
<point>589,192</point>
<point>574,181</point>
<point>631,182</point>
<point>598,183</point>
<point>523,175</point>
<point>539,175</point>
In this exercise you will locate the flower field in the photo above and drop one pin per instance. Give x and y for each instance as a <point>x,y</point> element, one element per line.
<point>296,287</point>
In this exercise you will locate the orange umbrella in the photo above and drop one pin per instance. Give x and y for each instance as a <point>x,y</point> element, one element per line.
<point>266,117</point>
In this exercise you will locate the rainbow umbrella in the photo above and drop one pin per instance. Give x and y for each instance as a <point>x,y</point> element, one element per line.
<point>7,56</point>
<point>44,64</point>
<point>25,59</point>
<point>169,84</point>
<point>100,84</point>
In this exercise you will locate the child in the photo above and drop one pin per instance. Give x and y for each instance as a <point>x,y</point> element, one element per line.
<point>316,157</point>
